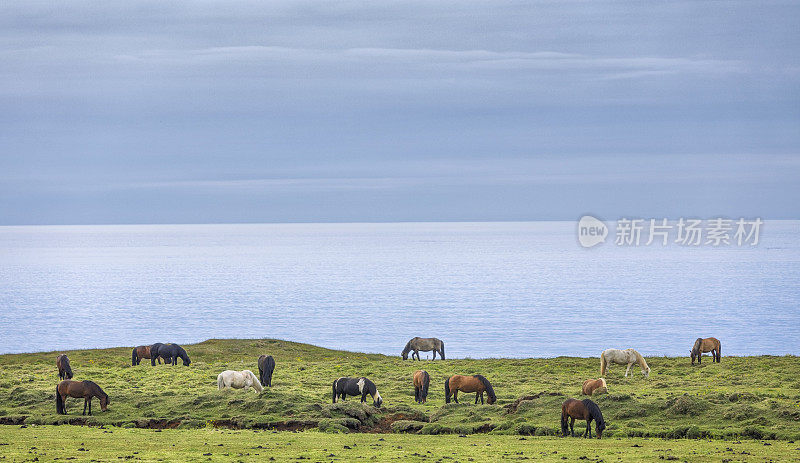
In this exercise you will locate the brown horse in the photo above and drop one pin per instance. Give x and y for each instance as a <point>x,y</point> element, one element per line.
<point>591,386</point>
<point>573,409</point>
<point>475,383</point>
<point>421,381</point>
<point>702,346</point>
<point>64,370</point>
<point>79,389</point>
<point>142,352</point>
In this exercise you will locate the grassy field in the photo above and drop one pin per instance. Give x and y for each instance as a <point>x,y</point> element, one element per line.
<point>741,398</point>
<point>48,443</point>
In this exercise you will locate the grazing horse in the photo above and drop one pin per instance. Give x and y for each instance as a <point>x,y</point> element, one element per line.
<point>343,387</point>
<point>79,389</point>
<point>701,346</point>
<point>475,383</point>
<point>266,365</point>
<point>573,409</point>
<point>238,380</point>
<point>141,352</point>
<point>421,381</point>
<point>594,386</point>
<point>623,357</point>
<point>169,352</point>
<point>424,345</point>
<point>64,370</point>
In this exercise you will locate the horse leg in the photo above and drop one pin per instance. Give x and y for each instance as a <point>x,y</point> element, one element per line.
<point>572,426</point>
<point>455,396</point>
<point>85,402</point>
<point>363,397</point>
<point>481,398</point>
<point>477,394</point>
<point>90,406</point>
<point>434,354</point>
<point>628,370</point>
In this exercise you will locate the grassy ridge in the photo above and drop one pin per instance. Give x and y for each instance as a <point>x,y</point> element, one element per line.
<point>48,443</point>
<point>756,397</point>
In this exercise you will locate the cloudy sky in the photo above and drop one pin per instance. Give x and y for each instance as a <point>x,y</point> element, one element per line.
<point>283,111</point>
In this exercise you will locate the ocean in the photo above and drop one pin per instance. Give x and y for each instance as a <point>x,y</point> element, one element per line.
<point>497,289</point>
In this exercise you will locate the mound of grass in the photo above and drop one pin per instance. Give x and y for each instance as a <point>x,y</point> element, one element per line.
<point>752,397</point>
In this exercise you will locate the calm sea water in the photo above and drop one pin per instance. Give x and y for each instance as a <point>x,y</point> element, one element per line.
<point>487,289</point>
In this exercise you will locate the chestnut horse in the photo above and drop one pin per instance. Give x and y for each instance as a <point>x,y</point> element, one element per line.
<point>79,389</point>
<point>421,381</point>
<point>475,383</point>
<point>573,409</point>
<point>64,370</point>
<point>591,386</point>
<point>702,346</point>
<point>142,352</point>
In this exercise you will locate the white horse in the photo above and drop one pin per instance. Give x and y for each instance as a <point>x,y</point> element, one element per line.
<point>238,380</point>
<point>623,357</point>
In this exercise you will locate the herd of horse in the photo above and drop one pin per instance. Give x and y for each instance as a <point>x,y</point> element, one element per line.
<point>571,409</point>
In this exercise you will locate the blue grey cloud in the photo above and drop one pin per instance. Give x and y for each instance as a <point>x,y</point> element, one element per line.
<point>358,111</point>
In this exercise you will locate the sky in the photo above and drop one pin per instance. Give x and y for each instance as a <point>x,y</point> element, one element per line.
<point>315,111</point>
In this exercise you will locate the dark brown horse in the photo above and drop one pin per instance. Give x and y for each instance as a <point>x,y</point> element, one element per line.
<point>266,365</point>
<point>475,383</point>
<point>80,390</point>
<point>421,381</point>
<point>702,346</point>
<point>573,409</point>
<point>64,370</point>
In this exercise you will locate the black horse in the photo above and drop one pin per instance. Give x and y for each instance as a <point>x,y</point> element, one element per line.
<point>266,365</point>
<point>343,387</point>
<point>169,352</point>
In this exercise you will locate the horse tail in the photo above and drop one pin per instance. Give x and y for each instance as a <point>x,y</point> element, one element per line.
<point>133,357</point>
<point>426,380</point>
<point>488,387</point>
<point>59,403</point>
<point>220,381</point>
<point>603,364</point>
<point>442,350</point>
<point>447,391</point>
<point>333,388</point>
<point>67,368</point>
<point>719,351</point>
<point>564,420</point>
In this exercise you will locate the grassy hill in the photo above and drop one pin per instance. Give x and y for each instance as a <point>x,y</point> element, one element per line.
<point>751,397</point>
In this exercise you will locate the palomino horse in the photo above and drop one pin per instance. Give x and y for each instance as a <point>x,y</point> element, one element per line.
<point>170,353</point>
<point>424,345</point>
<point>64,370</point>
<point>623,357</point>
<point>344,387</point>
<point>701,346</point>
<point>80,390</point>
<point>141,352</point>
<point>475,383</point>
<point>594,386</point>
<point>573,409</point>
<point>421,381</point>
<point>244,379</point>
<point>266,365</point>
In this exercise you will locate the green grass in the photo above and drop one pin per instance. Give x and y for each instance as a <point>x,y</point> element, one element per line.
<point>743,397</point>
<point>49,443</point>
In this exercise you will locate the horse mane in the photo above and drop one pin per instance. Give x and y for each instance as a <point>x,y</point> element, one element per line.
<point>94,385</point>
<point>594,411</point>
<point>697,344</point>
<point>407,349</point>
<point>67,368</point>
<point>369,386</point>
<point>487,386</point>
<point>640,360</point>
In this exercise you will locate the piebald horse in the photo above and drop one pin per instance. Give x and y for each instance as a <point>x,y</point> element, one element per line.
<point>701,346</point>
<point>342,387</point>
<point>64,370</point>
<point>475,383</point>
<point>623,357</point>
<point>421,382</point>
<point>80,390</point>
<point>594,386</point>
<point>425,345</point>
<point>585,409</point>
<point>244,379</point>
